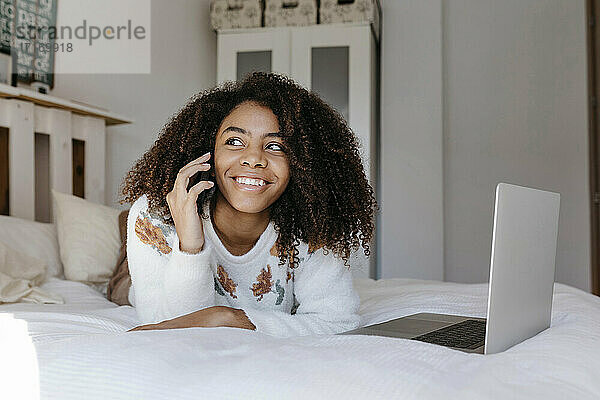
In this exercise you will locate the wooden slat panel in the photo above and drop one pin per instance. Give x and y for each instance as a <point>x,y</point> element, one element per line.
<point>4,174</point>
<point>22,155</point>
<point>42,178</point>
<point>79,168</point>
<point>92,132</point>
<point>57,124</point>
<point>10,92</point>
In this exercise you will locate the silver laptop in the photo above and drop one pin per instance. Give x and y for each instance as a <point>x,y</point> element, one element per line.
<point>521,281</point>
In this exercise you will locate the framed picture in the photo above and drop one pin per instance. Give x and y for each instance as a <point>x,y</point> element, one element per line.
<point>5,68</point>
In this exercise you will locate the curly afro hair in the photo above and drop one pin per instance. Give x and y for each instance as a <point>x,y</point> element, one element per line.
<point>328,201</point>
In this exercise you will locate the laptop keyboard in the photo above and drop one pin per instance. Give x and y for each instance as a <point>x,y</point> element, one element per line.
<point>468,334</point>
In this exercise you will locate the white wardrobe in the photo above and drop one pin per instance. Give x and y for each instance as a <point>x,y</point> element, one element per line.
<point>339,61</point>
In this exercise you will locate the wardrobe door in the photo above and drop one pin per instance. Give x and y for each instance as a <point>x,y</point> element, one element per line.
<point>245,51</point>
<point>338,63</point>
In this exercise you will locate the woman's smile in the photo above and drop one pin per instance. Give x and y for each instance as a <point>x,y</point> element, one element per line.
<point>250,184</point>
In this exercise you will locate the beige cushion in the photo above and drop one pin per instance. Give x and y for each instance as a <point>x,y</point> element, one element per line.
<point>88,238</point>
<point>34,238</point>
<point>20,276</point>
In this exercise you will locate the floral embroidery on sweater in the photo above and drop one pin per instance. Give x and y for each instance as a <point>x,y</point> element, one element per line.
<point>274,250</point>
<point>228,284</point>
<point>290,275</point>
<point>280,293</point>
<point>151,235</point>
<point>158,221</point>
<point>218,288</point>
<point>264,285</point>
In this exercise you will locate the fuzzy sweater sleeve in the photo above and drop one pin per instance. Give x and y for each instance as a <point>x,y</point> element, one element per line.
<point>327,301</point>
<point>165,281</point>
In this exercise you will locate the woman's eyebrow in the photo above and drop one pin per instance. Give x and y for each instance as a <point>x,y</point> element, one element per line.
<point>245,132</point>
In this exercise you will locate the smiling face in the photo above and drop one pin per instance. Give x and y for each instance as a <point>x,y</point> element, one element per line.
<point>251,166</point>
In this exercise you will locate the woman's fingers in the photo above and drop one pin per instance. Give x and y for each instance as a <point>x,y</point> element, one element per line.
<point>150,327</point>
<point>184,175</point>
<point>140,328</point>
<point>200,187</point>
<point>202,159</point>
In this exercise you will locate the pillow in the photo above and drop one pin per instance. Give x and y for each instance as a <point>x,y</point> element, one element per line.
<point>33,238</point>
<point>20,276</point>
<point>18,265</point>
<point>88,239</point>
<point>119,284</point>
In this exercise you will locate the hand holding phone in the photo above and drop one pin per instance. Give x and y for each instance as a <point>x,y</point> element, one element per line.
<point>182,203</point>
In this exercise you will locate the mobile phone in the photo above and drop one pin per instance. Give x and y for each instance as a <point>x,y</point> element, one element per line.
<point>197,177</point>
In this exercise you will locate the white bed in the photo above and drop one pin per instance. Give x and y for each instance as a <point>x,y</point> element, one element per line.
<point>81,349</point>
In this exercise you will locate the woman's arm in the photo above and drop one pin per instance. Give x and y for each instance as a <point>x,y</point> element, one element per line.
<point>324,289</point>
<point>210,317</point>
<point>166,282</point>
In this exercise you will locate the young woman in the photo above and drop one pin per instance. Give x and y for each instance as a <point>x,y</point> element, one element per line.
<point>256,232</point>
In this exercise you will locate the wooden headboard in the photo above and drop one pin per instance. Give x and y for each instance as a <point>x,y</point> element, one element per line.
<point>49,143</point>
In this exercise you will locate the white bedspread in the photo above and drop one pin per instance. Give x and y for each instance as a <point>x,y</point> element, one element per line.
<point>80,350</point>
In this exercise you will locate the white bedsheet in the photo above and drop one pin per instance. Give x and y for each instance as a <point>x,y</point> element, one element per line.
<point>80,350</point>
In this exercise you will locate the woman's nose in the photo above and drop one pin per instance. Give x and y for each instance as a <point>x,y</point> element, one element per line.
<point>253,156</point>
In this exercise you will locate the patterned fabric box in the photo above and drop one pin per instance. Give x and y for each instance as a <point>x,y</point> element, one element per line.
<point>234,14</point>
<point>332,12</point>
<point>290,12</point>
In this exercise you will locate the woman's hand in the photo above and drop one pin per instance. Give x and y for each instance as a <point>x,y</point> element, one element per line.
<point>207,318</point>
<point>182,205</point>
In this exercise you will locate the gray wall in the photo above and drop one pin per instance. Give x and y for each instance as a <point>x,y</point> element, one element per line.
<point>184,49</point>
<point>514,110</point>
<point>411,239</point>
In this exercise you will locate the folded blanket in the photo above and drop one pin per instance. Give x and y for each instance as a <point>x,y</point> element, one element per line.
<point>20,276</point>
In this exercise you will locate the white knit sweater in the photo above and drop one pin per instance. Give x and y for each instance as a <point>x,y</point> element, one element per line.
<point>167,282</point>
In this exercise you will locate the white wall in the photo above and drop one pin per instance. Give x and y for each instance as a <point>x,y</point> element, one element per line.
<point>514,109</point>
<point>183,63</point>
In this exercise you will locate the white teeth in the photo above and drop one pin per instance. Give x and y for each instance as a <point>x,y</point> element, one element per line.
<point>250,181</point>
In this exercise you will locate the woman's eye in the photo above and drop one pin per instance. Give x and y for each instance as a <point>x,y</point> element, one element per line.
<point>275,146</point>
<point>232,141</point>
